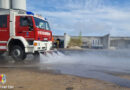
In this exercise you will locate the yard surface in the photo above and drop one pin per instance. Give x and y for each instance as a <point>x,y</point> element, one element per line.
<point>31,79</point>
<point>70,70</point>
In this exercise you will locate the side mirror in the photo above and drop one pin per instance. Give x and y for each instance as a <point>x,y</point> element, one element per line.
<point>30,27</point>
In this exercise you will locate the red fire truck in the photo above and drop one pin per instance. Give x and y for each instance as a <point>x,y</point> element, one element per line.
<point>23,33</point>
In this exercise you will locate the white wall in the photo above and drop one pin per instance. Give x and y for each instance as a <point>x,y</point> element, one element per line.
<point>66,40</point>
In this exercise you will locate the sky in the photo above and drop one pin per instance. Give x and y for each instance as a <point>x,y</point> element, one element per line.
<point>91,17</point>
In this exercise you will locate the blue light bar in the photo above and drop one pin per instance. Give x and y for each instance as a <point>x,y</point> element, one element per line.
<point>30,13</point>
<point>46,19</point>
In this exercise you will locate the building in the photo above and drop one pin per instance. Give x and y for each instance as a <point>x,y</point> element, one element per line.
<point>120,42</point>
<point>99,42</point>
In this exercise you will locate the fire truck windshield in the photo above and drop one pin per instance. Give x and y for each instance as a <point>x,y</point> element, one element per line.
<point>41,24</point>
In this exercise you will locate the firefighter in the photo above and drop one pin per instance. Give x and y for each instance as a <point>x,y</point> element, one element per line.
<point>58,43</point>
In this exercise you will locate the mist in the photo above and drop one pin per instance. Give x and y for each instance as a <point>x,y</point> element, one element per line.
<point>98,64</point>
<point>109,60</point>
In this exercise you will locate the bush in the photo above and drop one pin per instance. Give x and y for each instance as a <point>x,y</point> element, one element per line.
<point>75,42</point>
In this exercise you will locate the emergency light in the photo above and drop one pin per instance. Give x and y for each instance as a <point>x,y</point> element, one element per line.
<point>30,13</point>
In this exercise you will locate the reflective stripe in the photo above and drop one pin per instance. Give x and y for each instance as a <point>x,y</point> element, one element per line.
<point>3,47</point>
<point>3,41</point>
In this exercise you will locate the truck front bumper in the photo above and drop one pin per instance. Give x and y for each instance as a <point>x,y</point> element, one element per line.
<point>39,46</point>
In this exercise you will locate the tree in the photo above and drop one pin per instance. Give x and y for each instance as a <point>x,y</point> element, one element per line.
<point>80,38</point>
<point>76,41</point>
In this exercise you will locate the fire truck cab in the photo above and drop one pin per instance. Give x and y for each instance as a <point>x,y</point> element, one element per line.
<point>23,33</point>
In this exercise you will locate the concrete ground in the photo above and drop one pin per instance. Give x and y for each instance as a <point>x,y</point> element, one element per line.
<point>32,79</point>
<point>70,70</point>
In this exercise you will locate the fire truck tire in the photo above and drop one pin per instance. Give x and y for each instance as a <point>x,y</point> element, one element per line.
<point>18,53</point>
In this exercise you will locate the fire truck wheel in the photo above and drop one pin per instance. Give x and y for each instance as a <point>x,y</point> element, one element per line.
<point>18,53</point>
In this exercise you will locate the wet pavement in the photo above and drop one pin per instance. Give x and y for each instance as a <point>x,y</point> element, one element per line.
<point>97,64</point>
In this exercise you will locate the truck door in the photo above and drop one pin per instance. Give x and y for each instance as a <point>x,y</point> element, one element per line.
<point>24,27</point>
<point>4,31</point>
<point>4,27</point>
